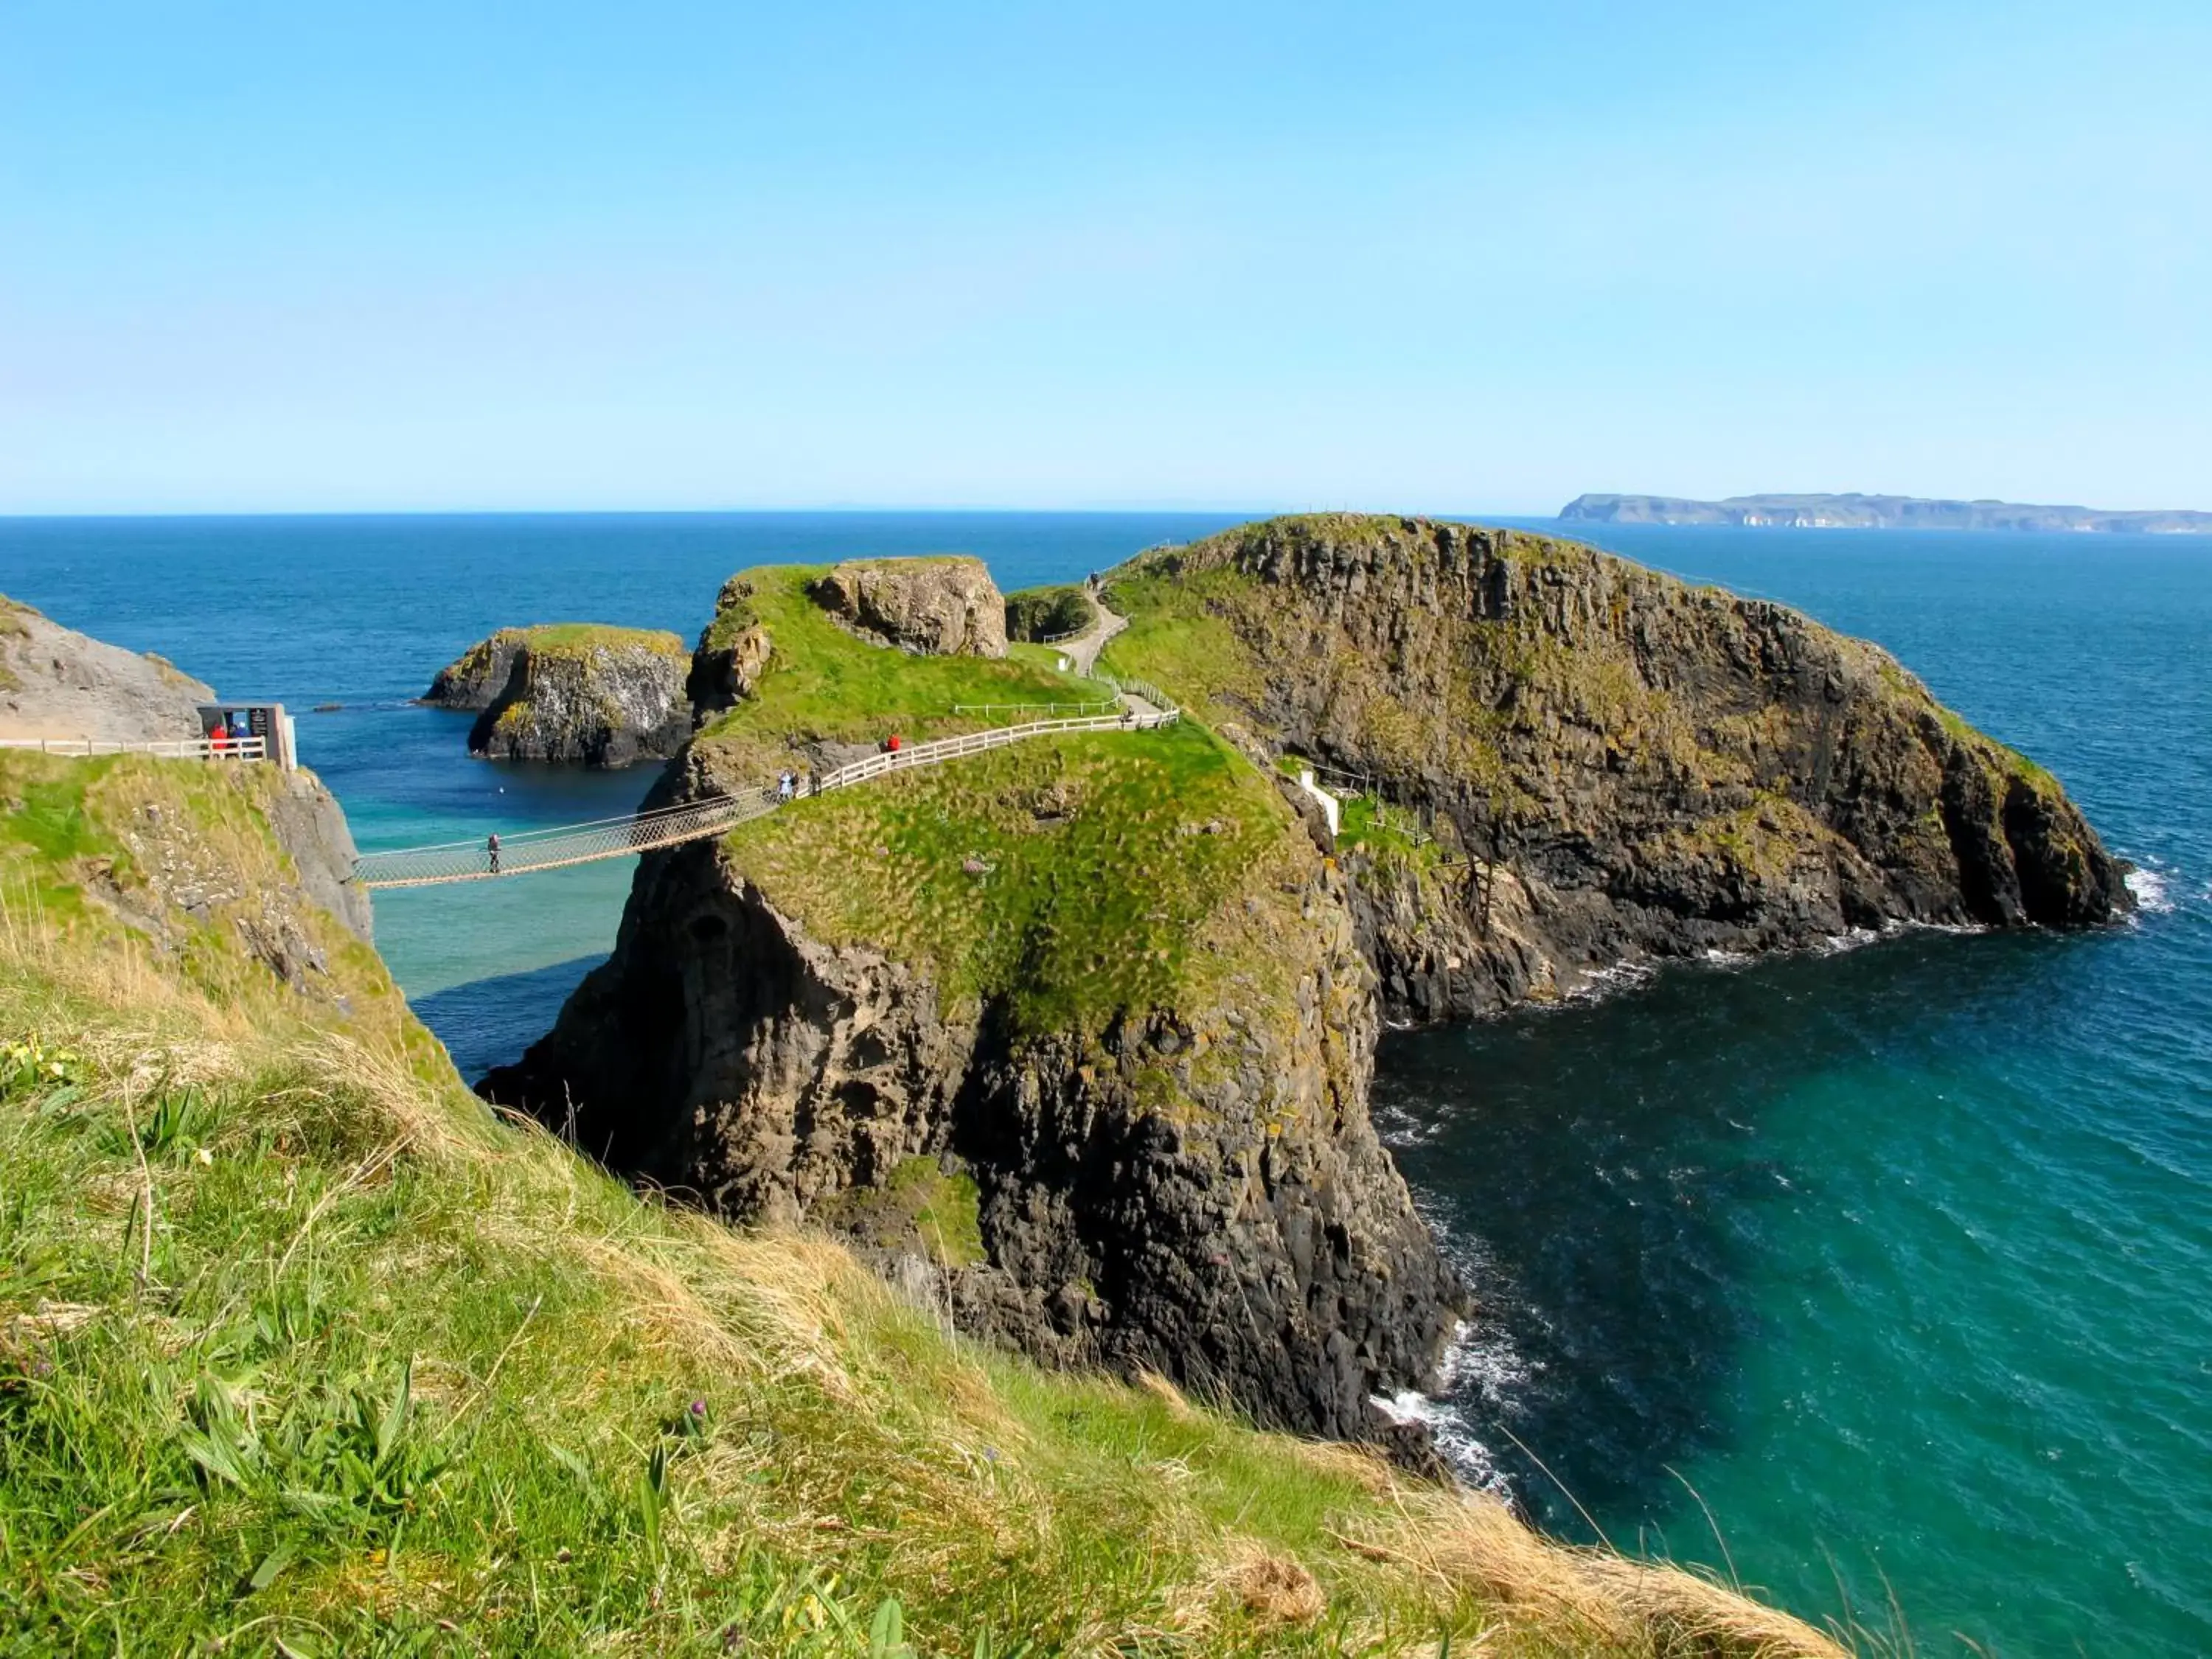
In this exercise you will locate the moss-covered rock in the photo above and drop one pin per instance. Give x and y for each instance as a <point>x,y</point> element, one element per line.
<point>1611,764</point>
<point>571,692</point>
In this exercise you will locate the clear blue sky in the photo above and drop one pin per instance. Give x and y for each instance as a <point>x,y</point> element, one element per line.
<point>312,255</point>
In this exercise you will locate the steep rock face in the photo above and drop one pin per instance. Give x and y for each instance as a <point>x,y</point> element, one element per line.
<point>311,826</point>
<point>57,682</point>
<point>603,696</point>
<point>1614,765</point>
<point>734,650</point>
<point>946,607</point>
<point>474,680</point>
<point>1190,1185</point>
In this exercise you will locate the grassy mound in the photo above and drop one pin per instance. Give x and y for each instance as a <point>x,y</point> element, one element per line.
<point>581,638</point>
<point>823,685</point>
<point>301,1351</point>
<point>1076,876</point>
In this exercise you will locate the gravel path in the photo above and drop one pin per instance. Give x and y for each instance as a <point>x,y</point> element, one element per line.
<point>1083,650</point>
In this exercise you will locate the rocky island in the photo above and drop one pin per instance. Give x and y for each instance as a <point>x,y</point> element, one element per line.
<point>579,692</point>
<point>1076,1037</point>
<point>1855,512</point>
<point>1591,763</point>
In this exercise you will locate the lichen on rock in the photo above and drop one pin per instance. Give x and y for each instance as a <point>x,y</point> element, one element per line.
<point>574,691</point>
<point>944,606</point>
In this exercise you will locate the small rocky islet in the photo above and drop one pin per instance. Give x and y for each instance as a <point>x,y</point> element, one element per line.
<point>583,693</point>
<point>1077,1035</point>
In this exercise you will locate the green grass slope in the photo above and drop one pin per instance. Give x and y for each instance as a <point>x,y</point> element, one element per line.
<point>1076,876</point>
<point>303,1352</point>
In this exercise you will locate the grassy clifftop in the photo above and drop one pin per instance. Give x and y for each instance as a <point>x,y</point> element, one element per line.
<point>580,639</point>
<point>1077,877</point>
<point>822,685</point>
<point>301,1351</point>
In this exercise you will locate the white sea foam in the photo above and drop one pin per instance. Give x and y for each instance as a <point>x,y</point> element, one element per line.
<point>1479,1361</point>
<point>1397,1127</point>
<point>2153,889</point>
<point>1601,982</point>
<point>1480,1367</point>
<point>1850,938</point>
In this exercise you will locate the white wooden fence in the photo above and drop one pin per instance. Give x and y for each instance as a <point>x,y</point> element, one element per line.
<point>238,748</point>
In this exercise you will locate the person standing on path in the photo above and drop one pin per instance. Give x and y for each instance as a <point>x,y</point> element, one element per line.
<point>491,850</point>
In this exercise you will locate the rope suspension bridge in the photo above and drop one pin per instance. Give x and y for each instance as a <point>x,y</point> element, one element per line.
<point>1144,709</point>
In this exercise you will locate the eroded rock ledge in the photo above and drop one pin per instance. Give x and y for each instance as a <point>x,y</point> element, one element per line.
<point>937,606</point>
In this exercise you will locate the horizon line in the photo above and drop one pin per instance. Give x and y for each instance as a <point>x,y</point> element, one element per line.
<point>857,509</point>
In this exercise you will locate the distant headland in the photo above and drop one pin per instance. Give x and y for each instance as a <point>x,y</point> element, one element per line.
<point>1856,512</point>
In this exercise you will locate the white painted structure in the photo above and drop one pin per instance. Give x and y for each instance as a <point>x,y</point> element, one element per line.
<point>1331,808</point>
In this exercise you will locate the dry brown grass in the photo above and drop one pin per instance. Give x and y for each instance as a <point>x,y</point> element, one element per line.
<point>1470,1542</point>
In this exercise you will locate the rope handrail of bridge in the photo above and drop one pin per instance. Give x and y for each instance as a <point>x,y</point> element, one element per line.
<point>646,819</point>
<point>643,832</point>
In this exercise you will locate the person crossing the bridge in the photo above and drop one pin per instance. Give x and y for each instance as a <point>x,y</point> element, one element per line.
<point>491,851</point>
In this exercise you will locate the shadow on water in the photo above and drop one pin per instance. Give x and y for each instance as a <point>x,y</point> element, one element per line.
<point>1603,1176</point>
<point>489,1022</point>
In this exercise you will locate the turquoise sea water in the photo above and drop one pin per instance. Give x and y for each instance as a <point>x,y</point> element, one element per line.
<point>1901,1257</point>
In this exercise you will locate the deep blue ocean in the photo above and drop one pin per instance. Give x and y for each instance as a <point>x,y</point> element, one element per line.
<point>1896,1262</point>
